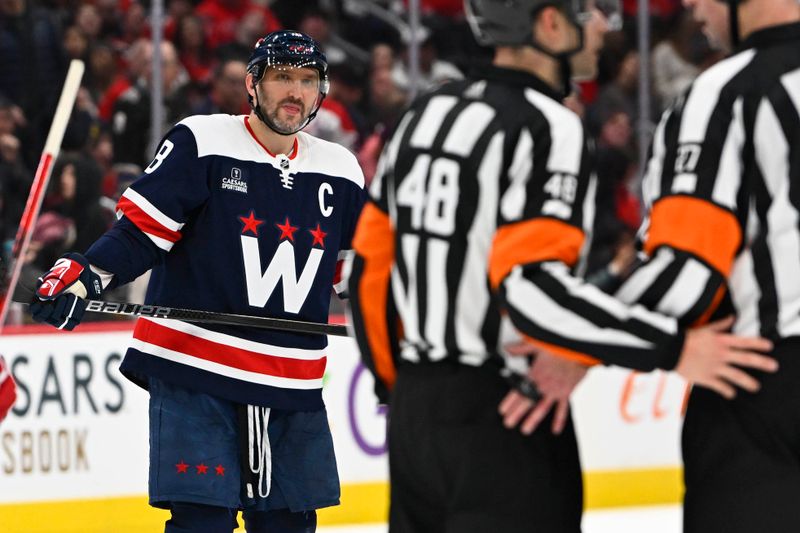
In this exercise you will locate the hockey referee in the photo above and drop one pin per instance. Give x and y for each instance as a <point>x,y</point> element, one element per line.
<point>479,211</point>
<point>723,187</point>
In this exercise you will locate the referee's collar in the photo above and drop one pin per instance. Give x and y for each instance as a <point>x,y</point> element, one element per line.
<point>516,77</point>
<point>771,35</point>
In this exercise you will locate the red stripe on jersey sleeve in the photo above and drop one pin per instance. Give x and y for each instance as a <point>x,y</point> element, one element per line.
<point>223,354</point>
<point>145,222</point>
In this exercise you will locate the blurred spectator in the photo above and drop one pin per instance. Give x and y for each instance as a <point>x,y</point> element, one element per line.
<point>443,8</point>
<point>228,94</point>
<point>15,179</point>
<point>677,59</point>
<point>432,70</point>
<point>339,120</point>
<point>110,13</point>
<point>131,118</point>
<point>53,235</point>
<point>76,44</point>
<point>221,18</point>
<point>617,214</point>
<point>347,87</point>
<point>386,99</point>
<point>382,57</point>
<point>101,71</point>
<point>134,26</point>
<point>193,49</point>
<point>317,25</point>
<point>621,91</point>
<point>137,58</point>
<point>250,29</point>
<point>176,11</point>
<point>88,21</point>
<point>32,66</point>
<point>75,194</point>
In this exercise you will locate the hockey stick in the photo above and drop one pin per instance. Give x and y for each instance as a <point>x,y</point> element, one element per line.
<point>34,203</point>
<point>212,317</point>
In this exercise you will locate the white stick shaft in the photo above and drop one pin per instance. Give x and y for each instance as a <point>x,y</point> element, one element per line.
<point>34,203</point>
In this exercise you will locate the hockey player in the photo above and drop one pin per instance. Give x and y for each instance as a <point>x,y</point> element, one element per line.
<point>722,186</point>
<point>237,214</point>
<point>478,212</point>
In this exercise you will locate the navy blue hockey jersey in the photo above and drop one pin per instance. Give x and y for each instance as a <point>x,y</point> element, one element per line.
<point>230,227</point>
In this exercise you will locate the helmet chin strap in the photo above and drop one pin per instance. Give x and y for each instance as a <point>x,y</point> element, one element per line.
<point>563,58</point>
<point>733,19</point>
<point>271,125</point>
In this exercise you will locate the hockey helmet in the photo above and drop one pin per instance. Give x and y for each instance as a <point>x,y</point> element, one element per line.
<point>289,48</point>
<point>503,22</point>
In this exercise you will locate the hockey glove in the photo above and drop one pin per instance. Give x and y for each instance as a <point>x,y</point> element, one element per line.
<point>61,293</point>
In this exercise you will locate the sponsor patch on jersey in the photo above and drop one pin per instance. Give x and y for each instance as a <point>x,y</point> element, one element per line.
<point>236,181</point>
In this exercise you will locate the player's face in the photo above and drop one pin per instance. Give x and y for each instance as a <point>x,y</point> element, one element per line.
<point>584,63</point>
<point>289,95</point>
<point>713,18</point>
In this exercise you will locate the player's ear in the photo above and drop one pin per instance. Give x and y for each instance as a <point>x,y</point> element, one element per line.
<point>250,84</point>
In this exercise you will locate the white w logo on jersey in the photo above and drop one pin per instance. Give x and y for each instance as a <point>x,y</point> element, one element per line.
<point>281,268</point>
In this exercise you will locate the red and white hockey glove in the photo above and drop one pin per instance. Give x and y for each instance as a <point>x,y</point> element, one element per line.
<point>61,293</point>
<point>8,389</point>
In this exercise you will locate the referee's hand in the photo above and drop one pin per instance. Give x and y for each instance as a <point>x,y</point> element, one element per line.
<point>555,378</point>
<point>718,360</point>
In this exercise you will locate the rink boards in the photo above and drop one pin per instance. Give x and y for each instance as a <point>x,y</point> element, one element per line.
<point>74,449</point>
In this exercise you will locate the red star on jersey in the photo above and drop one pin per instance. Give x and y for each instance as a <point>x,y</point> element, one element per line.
<point>319,236</point>
<point>251,223</point>
<point>220,470</point>
<point>202,469</point>
<point>287,230</point>
<point>182,467</point>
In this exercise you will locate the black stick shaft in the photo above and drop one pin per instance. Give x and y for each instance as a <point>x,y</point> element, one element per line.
<point>211,317</point>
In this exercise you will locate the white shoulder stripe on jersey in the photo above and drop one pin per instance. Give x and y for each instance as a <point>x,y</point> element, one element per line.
<point>566,133</point>
<point>651,182</point>
<point>428,125</point>
<point>539,308</point>
<point>224,370</point>
<point>472,299</point>
<point>236,342</point>
<point>772,156</point>
<point>468,128</point>
<point>704,95</point>
<point>729,172</point>
<point>515,197</point>
<point>151,210</point>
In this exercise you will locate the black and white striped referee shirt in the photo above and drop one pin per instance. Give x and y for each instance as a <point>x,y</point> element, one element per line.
<point>723,187</point>
<point>479,211</point>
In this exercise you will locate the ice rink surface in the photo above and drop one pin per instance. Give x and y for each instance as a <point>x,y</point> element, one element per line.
<point>658,519</point>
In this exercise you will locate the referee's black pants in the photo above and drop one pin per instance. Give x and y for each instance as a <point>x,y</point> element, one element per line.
<point>742,457</point>
<point>454,468</point>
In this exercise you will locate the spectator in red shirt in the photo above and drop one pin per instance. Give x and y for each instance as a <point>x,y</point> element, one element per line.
<point>222,17</point>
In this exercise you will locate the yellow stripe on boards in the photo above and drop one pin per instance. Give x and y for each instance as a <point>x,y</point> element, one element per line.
<point>361,503</point>
<point>622,488</point>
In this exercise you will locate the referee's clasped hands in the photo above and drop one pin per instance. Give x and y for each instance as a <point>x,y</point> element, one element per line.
<point>555,378</point>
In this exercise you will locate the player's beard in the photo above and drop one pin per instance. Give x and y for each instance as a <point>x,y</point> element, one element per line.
<point>287,125</point>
